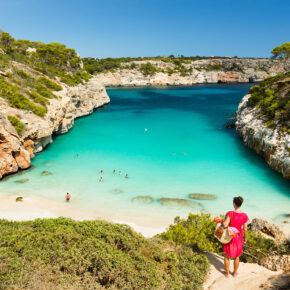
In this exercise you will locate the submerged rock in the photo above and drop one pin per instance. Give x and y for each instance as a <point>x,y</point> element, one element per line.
<point>19,198</point>
<point>117,190</point>
<point>268,230</point>
<point>44,173</point>
<point>21,180</point>
<point>142,199</point>
<point>201,196</point>
<point>176,202</point>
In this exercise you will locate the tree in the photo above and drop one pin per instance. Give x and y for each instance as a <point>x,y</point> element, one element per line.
<point>281,52</point>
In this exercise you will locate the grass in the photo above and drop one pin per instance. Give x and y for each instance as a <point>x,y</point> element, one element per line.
<point>61,253</point>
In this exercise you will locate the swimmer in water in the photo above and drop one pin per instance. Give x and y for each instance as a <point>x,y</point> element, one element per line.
<point>184,153</point>
<point>77,155</point>
<point>173,153</point>
<point>114,171</point>
<point>67,197</point>
<point>120,172</point>
<point>101,179</point>
<point>126,176</point>
<point>101,171</point>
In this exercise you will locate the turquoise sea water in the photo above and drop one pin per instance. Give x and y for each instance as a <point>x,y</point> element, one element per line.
<point>171,142</point>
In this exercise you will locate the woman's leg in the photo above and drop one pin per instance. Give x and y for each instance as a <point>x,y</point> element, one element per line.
<point>236,266</point>
<point>227,265</point>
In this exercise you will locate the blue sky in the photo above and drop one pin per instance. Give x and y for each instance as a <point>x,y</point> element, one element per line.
<point>115,28</point>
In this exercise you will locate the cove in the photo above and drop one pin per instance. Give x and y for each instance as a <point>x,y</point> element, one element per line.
<point>171,142</point>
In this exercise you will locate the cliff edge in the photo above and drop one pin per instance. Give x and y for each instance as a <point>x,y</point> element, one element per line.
<point>263,121</point>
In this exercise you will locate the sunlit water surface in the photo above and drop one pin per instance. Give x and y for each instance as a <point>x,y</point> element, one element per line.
<point>171,142</point>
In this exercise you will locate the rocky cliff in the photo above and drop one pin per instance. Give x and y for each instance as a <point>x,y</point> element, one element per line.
<point>199,71</point>
<point>72,102</point>
<point>263,122</point>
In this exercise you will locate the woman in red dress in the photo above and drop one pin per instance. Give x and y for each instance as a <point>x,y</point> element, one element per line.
<point>234,248</point>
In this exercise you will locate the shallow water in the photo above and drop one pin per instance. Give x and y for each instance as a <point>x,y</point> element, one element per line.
<point>171,142</point>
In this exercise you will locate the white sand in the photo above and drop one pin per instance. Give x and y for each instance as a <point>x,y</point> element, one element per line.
<point>33,207</point>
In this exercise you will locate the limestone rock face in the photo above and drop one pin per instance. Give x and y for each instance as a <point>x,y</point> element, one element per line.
<point>269,230</point>
<point>276,262</point>
<point>230,70</point>
<point>272,144</point>
<point>72,102</point>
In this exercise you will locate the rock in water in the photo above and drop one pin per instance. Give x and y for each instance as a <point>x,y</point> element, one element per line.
<point>117,190</point>
<point>19,198</point>
<point>142,199</point>
<point>266,229</point>
<point>201,196</point>
<point>176,202</point>
<point>44,173</point>
<point>21,180</point>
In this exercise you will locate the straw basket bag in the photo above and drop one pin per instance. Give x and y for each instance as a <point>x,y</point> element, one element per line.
<point>222,234</point>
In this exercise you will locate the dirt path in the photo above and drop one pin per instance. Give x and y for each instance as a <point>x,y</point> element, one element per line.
<point>250,276</point>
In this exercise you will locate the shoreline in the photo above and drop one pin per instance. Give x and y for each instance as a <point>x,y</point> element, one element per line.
<point>34,207</point>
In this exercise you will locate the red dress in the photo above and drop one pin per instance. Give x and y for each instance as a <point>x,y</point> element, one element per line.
<point>235,247</point>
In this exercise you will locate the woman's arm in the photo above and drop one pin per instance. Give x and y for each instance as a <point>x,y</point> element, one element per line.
<point>227,222</point>
<point>245,230</point>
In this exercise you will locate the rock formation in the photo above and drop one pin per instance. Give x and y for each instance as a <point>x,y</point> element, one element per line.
<point>270,231</point>
<point>268,136</point>
<point>201,71</point>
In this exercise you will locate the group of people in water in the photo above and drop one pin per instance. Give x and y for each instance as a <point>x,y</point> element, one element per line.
<point>114,172</point>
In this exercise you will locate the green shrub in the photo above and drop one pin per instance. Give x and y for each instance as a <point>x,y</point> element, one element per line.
<point>64,254</point>
<point>270,97</point>
<point>37,98</point>
<point>23,74</point>
<point>50,84</point>
<point>43,90</point>
<point>18,125</point>
<point>213,67</point>
<point>196,232</point>
<point>148,69</point>
<point>17,100</point>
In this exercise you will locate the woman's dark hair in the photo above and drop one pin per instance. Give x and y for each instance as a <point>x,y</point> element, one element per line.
<point>238,201</point>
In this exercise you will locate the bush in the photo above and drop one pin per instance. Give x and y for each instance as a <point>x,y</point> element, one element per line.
<point>17,100</point>
<point>63,254</point>
<point>272,100</point>
<point>196,232</point>
<point>37,98</point>
<point>148,69</point>
<point>19,126</point>
<point>43,90</point>
<point>50,84</point>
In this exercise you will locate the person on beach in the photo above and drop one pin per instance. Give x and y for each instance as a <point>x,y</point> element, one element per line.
<point>120,172</point>
<point>126,176</point>
<point>234,248</point>
<point>114,171</point>
<point>67,197</point>
<point>101,179</point>
<point>101,172</point>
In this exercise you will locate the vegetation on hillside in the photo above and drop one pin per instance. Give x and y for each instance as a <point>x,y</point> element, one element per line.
<point>272,98</point>
<point>95,66</point>
<point>53,59</point>
<point>61,253</point>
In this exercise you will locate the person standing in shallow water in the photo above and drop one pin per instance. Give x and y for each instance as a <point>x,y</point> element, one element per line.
<point>234,248</point>
<point>67,197</point>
